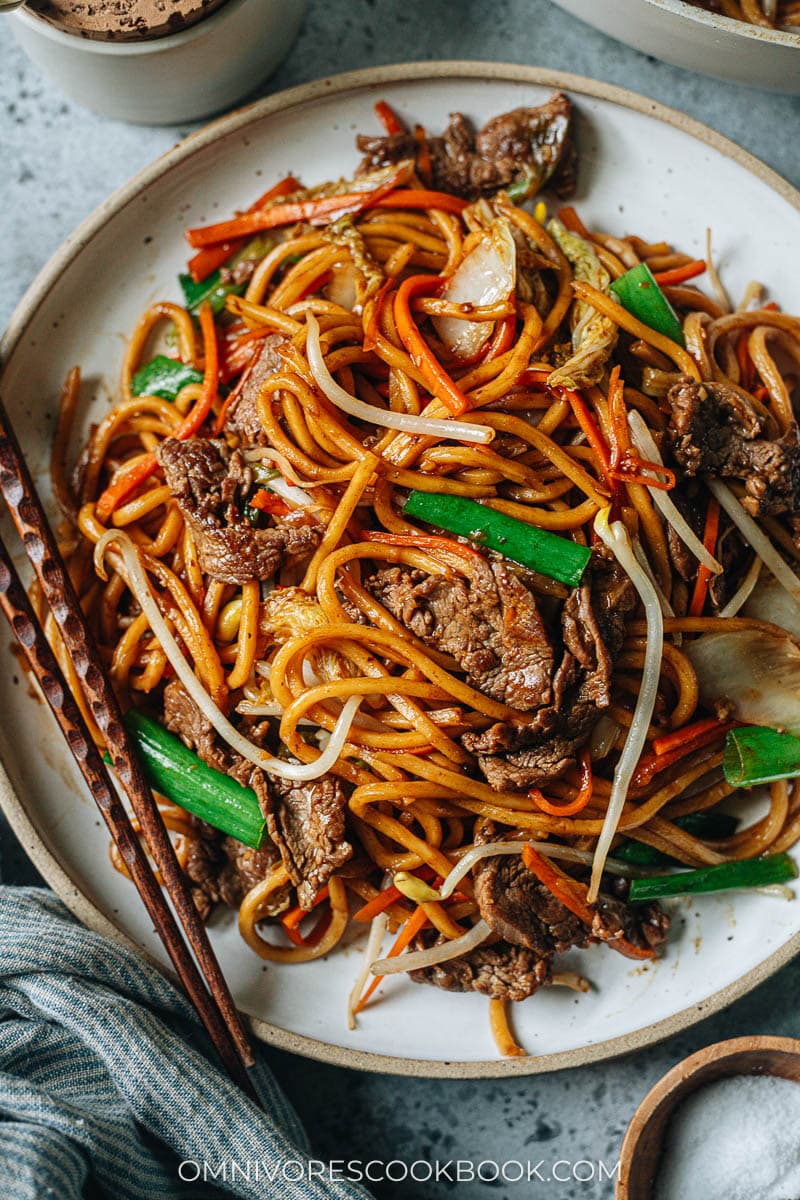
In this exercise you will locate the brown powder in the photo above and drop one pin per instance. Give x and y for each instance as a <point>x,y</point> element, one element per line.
<point>123,20</point>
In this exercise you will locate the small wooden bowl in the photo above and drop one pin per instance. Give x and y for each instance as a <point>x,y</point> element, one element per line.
<point>640,1156</point>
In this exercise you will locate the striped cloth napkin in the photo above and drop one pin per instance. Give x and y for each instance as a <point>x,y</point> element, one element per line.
<point>107,1084</point>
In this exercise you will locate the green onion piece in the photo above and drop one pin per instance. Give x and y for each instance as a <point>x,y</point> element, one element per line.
<point>757,754</point>
<point>209,289</point>
<point>638,291</point>
<point>706,824</point>
<point>535,548</point>
<point>176,772</point>
<point>746,873</point>
<point>521,188</point>
<point>163,377</point>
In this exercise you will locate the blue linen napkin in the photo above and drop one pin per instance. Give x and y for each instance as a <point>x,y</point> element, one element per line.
<point>107,1082</point>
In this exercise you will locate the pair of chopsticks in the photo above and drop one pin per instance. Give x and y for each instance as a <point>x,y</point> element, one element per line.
<point>194,959</point>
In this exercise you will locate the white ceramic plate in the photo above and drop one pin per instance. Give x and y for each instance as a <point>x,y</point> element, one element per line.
<point>699,40</point>
<point>640,164</point>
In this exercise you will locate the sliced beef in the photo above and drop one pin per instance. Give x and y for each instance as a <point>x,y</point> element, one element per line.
<point>521,909</point>
<point>529,143</point>
<point>515,756</point>
<point>306,821</point>
<point>501,971</point>
<point>242,417</point>
<point>211,485</point>
<point>225,870</point>
<point>307,825</point>
<point>714,430</point>
<point>643,925</point>
<point>184,718</point>
<point>489,623</point>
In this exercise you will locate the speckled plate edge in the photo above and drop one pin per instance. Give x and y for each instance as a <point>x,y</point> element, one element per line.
<point>718,21</point>
<point>55,872</point>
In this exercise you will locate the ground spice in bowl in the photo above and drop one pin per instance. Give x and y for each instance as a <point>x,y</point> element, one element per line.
<point>123,20</point>
<point>735,1139</point>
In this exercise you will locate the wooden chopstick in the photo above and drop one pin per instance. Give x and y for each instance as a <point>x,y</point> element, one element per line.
<point>215,1005</point>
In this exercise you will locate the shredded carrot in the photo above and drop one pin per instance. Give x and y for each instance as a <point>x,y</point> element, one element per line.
<point>573,806</point>
<point>434,374</point>
<point>653,764</point>
<point>648,474</point>
<point>572,895</point>
<point>142,468</point>
<point>680,274</point>
<point>291,921</point>
<point>772,306</point>
<point>502,338</point>
<point>322,209</point>
<point>590,431</point>
<point>417,921</point>
<point>378,904</point>
<point>317,211</point>
<point>710,534</point>
<point>207,261</point>
<point>424,542</point>
<point>570,220</point>
<point>388,118</point>
<point>268,502</point>
<point>422,198</point>
<point>671,741</point>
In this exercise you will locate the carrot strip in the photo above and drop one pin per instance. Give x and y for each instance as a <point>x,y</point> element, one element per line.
<point>653,764</point>
<point>703,574</point>
<point>378,904</point>
<point>388,118</point>
<point>422,198</point>
<point>671,741</point>
<point>680,274</point>
<point>590,431</point>
<point>573,806</point>
<point>572,895</point>
<point>320,211</point>
<point>142,468</point>
<point>292,918</point>
<point>424,542</point>
<point>268,502</point>
<point>570,220</point>
<point>434,374</point>
<point>205,262</point>
<point>417,921</point>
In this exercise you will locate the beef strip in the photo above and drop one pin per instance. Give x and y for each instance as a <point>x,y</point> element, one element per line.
<point>242,417</point>
<point>501,971</point>
<point>533,926</point>
<point>714,430</point>
<point>528,143</point>
<point>489,623</point>
<point>515,756</point>
<point>307,825</point>
<point>689,498</point>
<point>225,870</point>
<point>306,822</point>
<point>211,485</point>
<point>521,909</point>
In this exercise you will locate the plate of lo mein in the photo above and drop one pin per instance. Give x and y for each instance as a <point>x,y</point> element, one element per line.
<point>422,443</point>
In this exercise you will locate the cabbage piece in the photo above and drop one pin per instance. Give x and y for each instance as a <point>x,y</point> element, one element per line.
<point>488,275</point>
<point>594,335</point>
<point>769,601</point>
<point>753,670</point>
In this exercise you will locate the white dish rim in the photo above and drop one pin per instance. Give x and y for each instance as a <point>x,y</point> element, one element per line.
<point>46,862</point>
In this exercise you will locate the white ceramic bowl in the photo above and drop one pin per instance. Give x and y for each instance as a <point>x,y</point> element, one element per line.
<point>698,40</point>
<point>181,77</point>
